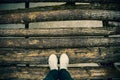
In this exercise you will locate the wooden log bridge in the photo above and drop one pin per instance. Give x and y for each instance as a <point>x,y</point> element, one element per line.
<point>93,52</point>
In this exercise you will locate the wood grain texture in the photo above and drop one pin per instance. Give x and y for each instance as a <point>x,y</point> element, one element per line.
<point>58,42</point>
<point>114,7</point>
<point>77,55</point>
<point>57,32</point>
<point>60,15</point>
<point>25,73</point>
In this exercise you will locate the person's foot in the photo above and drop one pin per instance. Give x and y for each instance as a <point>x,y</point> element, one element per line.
<point>53,62</point>
<point>64,61</point>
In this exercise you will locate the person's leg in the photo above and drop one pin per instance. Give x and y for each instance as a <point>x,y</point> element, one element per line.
<point>63,73</point>
<point>53,74</point>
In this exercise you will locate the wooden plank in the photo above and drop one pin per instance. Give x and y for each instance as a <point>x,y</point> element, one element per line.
<point>60,15</point>
<point>115,7</point>
<point>57,32</point>
<point>77,55</point>
<point>84,1</point>
<point>58,42</point>
<point>71,65</point>
<point>40,73</point>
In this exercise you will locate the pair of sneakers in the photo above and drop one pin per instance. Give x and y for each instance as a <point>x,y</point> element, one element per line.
<point>53,61</point>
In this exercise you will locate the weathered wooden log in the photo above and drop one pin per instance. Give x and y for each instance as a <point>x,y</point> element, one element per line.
<point>64,7</point>
<point>76,73</point>
<point>35,57</point>
<point>60,15</point>
<point>57,32</point>
<point>58,42</point>
<point>76,55</point>
<point>86,1</point>
<point>115,7</point>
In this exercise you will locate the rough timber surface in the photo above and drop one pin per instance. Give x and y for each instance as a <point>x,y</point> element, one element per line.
<point>58,32</point>
<point>20,73</point>
<point>60,15</point>
<point>77,55</point>
<point>59,42</point>
<point>114,7</point>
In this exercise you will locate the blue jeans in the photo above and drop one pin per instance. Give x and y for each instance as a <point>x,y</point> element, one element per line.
<point>62,74</point>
